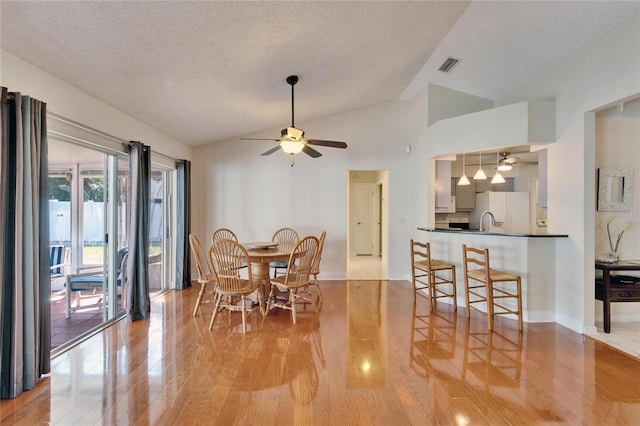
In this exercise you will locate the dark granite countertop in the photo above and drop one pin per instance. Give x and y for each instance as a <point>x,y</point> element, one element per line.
<point>504,234</point>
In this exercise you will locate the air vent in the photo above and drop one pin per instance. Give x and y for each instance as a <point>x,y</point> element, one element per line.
<point>449,64</point>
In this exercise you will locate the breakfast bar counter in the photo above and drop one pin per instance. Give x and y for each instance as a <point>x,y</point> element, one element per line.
<point>531,256</point>
<point>503,234</point>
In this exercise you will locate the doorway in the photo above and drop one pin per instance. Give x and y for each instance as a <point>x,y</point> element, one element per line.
<point>367,225</point>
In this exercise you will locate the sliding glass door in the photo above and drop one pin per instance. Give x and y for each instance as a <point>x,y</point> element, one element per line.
<point>89,203</point>
<point>159,235</point>
<point>88,211</point>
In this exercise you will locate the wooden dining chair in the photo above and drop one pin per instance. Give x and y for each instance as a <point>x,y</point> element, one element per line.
<point>297,278</point>
<point>315,269</point>
<point>286,238</point>
<point>480,286</point>
<point>227,257</point>
<point>436,276</point>
<point>206,277</point>
<point>223,234</point>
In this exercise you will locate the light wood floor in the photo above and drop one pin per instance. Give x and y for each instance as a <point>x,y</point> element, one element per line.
<point>369,357</point>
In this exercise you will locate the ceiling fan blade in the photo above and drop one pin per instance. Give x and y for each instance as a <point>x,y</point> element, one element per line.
<point>310,151</point>
<point>259,139</point>
<point>330,144</point>
<point>271,151</point>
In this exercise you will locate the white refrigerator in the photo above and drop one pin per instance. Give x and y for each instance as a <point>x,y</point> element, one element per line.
<point>511,210</point>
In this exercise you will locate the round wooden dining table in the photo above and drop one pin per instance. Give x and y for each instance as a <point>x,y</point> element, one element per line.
<point>263,253</point>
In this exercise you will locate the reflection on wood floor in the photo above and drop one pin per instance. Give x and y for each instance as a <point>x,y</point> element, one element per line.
<point>370,356</point>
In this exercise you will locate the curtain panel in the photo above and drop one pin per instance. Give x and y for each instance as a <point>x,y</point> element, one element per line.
<point>25,319</point>
<point>138,301</point>
<point>183,254</point>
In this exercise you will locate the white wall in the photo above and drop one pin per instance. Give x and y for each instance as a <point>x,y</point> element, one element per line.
<point>235,187</point>
<point>446,103</point>
<point>70,102</point>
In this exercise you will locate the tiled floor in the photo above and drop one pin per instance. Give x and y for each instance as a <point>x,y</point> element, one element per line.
<point>624,336</point>
<point>366,268</point>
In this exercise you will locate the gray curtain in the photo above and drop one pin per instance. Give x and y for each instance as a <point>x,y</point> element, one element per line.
<point>25,318</point>
<point>183,254</point>
<point>138,302</point>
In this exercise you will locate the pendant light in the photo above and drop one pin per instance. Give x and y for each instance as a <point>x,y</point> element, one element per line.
<point>464,180</point>
<point>480,173</point>
<point>497,178</point>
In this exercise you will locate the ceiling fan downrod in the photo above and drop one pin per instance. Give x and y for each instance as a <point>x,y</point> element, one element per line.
<point>292,80</point>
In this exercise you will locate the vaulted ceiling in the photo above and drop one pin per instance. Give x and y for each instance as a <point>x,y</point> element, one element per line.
<point>208,71</point>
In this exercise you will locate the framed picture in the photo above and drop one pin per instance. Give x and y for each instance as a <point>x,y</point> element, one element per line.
<point>615,189</point>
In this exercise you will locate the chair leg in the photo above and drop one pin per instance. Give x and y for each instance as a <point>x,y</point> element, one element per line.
<point>490,309</point>
<point>466,295</point>
<point>68,297</point>
<point>261,301</point>
<point>217,298</point>
<point>455,291</point>
<point>199,299</point>
<point>315,280</point>
<point>292,302</point>
<point>267,309</point>
<point>519,284</point>
<point>244,314</point>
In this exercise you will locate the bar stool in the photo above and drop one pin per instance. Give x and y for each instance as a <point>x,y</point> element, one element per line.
<point>427,274</point>
<point>482,287</point>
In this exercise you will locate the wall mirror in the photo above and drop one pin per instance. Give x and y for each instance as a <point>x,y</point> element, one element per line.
<point>615,186</point>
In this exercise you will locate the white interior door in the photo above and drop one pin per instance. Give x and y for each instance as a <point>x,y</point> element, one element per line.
<point>364,218</point>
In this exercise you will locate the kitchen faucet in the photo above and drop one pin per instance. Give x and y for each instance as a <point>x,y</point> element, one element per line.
<point>493,219</point>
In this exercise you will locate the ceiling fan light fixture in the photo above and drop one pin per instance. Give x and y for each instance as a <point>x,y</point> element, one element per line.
<point>291,147</point>
<point>292,133</point>
<point>292,140</point>
<point>504,166</point>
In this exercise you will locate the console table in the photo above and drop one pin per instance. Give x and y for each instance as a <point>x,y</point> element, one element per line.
<point>616,288</point>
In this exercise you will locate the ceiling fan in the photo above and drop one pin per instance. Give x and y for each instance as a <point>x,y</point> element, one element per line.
<point>292,140</point>
<point>507,161</point>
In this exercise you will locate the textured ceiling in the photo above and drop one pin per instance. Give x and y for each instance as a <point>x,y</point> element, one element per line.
<point>208,71</point>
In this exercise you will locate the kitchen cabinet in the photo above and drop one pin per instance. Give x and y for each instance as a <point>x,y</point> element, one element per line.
<point>507,186</point>
<point>465,195</point>
<point>486,185</point>
<point>510,209</point>
<point>443,185</point>
<point>542,179</point>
